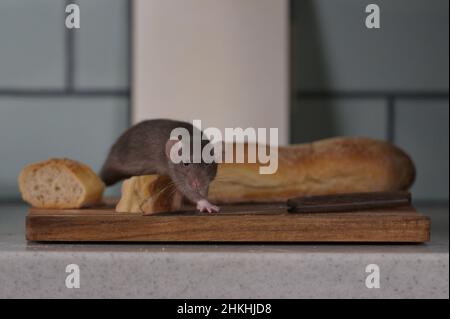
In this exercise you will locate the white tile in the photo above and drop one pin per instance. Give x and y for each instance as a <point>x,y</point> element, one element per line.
<point>102,45</point>
<point>333,50</point>
<point>313,119</point>
<point>422,130</point>
<point>34,129</point>
<point>32,53</point>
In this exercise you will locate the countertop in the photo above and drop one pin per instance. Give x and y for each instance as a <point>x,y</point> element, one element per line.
<point>33,270</point>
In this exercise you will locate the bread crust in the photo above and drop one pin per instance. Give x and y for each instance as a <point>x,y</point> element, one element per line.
<point>335,165</point>
<point>91,185</point>
<point>149,194</point>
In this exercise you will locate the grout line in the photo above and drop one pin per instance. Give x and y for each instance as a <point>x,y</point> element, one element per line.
<point>63,93</point>
<point>391,117</point>
<point>372,94</point>
<point>126,92</point>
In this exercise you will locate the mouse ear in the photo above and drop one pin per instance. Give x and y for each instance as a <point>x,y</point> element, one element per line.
<point>169,145</point>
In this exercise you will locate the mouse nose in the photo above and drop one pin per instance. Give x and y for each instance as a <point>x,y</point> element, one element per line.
<point>195,184</point>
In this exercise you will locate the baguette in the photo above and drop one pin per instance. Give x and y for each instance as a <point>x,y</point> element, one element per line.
<point>60,183</point>
<point>330,166</point>
<point>149,194</point>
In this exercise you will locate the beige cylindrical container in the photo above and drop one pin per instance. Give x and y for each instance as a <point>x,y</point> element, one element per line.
<point>223,62</point>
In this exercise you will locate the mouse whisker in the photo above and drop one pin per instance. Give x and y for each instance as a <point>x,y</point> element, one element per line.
<point>155,195</point>
<point>173,192</point>
<point>171,186</point>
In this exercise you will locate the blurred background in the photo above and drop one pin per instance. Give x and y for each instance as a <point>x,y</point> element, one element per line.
<point>68,92</point>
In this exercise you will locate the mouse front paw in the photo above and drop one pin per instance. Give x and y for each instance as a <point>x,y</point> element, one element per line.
<point>205,206</point>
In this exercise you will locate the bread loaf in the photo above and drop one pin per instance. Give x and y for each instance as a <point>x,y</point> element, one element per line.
<point>60,183</point>
<point>336,165</point>
<point>149,194</point>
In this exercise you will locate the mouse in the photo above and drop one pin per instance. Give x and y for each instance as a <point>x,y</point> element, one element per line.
<point>144,149</point>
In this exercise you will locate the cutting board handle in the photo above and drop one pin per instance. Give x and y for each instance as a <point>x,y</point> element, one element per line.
<point>348,202</point>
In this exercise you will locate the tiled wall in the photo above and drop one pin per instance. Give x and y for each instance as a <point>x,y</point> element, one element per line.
<point>66,93</point>
<point>390,83</point>
<point>62,93</point>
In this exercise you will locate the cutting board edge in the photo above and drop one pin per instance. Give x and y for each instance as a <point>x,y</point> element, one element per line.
<point>37,230</point>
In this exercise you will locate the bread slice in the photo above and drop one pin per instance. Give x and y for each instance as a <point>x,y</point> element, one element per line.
<point>149,194</point>
<point>60,183</point>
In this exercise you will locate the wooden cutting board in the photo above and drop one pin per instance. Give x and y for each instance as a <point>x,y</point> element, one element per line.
<point>243,223</point>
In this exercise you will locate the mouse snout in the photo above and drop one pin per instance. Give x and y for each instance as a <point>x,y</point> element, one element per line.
<point>195,184</point>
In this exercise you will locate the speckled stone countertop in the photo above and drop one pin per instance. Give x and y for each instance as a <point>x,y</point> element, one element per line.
<point>31,270</point>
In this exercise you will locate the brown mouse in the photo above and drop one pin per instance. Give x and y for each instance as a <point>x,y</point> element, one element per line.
<point>144,149</point>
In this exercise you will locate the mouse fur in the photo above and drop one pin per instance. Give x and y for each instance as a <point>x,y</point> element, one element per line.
<point>141,150</point>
